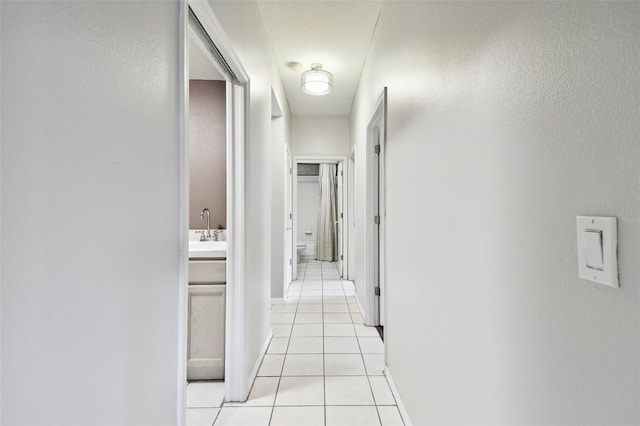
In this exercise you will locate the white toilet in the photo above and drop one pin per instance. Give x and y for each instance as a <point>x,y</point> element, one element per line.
<point>301,247</point>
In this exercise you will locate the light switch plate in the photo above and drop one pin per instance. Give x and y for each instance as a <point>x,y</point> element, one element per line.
<point>598,236</point>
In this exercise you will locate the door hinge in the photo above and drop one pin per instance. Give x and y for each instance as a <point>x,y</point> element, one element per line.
<point>341,257</point>
<point>376,219</point>
<point>290,215</point>
<point>290,261</point>
<point>341,215</point>
<point>290,170</point>
<point>341,173</point>
<point>377,291</point>
<point>377,149</point>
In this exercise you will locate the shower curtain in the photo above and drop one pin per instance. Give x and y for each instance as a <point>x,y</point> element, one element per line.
<point>327,238</point>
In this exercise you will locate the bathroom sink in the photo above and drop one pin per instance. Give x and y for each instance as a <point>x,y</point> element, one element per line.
<point>207,249</point>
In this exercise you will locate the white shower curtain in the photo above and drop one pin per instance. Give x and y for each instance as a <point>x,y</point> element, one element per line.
<point>327,247</point>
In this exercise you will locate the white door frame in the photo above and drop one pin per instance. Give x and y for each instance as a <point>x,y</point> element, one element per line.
<point>341,204</point>
<point>351,196</point>
<point>294,207</point>
<point>290,252</point>
<point>376,133</point>
<point>236,383</point>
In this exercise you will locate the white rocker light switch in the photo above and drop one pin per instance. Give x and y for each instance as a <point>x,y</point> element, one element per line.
<point>597,249</point>
<point>593,249</point>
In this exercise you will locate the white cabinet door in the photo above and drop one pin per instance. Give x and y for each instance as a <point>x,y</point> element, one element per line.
<point>205,342</point>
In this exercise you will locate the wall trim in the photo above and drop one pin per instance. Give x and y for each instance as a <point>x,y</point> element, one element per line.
<point>396,395</point>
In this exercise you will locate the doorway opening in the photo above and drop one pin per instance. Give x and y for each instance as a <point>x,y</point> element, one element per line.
<point>319,209</point>
<point>213,108</point>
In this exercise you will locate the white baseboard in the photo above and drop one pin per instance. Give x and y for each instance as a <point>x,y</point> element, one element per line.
<point>277,300</point>
<point>396,395</point>
<point>263,351</point>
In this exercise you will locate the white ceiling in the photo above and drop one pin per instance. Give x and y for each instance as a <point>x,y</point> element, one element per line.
<point>334,33</point>
<point>200,66</point>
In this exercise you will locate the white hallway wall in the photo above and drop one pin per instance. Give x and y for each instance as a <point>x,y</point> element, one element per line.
<point>85,327</point>
<point>90,213</point>
<point>506,121</point>
<point>243,25</point>
<point>320,135</point>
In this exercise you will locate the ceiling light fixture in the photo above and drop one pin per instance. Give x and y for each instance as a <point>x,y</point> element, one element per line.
<point>295,66</point>
<point>316,81</point>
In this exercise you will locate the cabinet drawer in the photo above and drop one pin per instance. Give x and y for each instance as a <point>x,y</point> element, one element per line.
<point>207,271</point>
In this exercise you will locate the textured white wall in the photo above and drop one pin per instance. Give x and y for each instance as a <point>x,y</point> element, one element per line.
<point>243,25</point>
<point>320,135</point>
<point>90,213</point>
<point>505,121</point>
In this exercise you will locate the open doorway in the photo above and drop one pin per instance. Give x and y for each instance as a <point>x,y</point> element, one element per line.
<point>213,110</point>
<point>319,211</point>
<point>207,213</point>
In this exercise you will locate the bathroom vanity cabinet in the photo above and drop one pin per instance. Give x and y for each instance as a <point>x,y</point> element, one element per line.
<point>206,321</point>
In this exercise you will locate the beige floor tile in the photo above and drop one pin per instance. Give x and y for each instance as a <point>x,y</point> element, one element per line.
<point>203,416</point>
<point>352,416</point>
<point>381,390</point>
<point>202,394</point>
<point>300,391</point>
<point>341,390</point>
<point>244,416</point>
<point>307,330</point>
<point>271,365</point>
<point>305,345</point>
<point>297,416</point>
<point>390,416</point>
<point>343,365</point>
<point>303,365</point>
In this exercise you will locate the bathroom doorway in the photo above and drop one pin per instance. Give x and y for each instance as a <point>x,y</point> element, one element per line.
<point>207,141</point>
<point>310,227</point>
<point>213,108</point>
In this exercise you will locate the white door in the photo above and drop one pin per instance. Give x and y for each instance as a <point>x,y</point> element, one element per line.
<point>289,252</point>
<point>340,221</point>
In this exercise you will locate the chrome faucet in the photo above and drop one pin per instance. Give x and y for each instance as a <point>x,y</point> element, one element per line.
<point>206,210</point>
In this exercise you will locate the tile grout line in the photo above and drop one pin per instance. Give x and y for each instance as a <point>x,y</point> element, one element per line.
<point>324,367</point>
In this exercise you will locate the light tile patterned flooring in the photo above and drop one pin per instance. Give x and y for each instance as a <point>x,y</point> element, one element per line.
<point>323,366</point>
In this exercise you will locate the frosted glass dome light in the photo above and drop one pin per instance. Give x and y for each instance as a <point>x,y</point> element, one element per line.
<point>316,81</point>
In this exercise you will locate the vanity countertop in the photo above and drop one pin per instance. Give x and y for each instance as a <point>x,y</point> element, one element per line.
<point>207,249</point>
